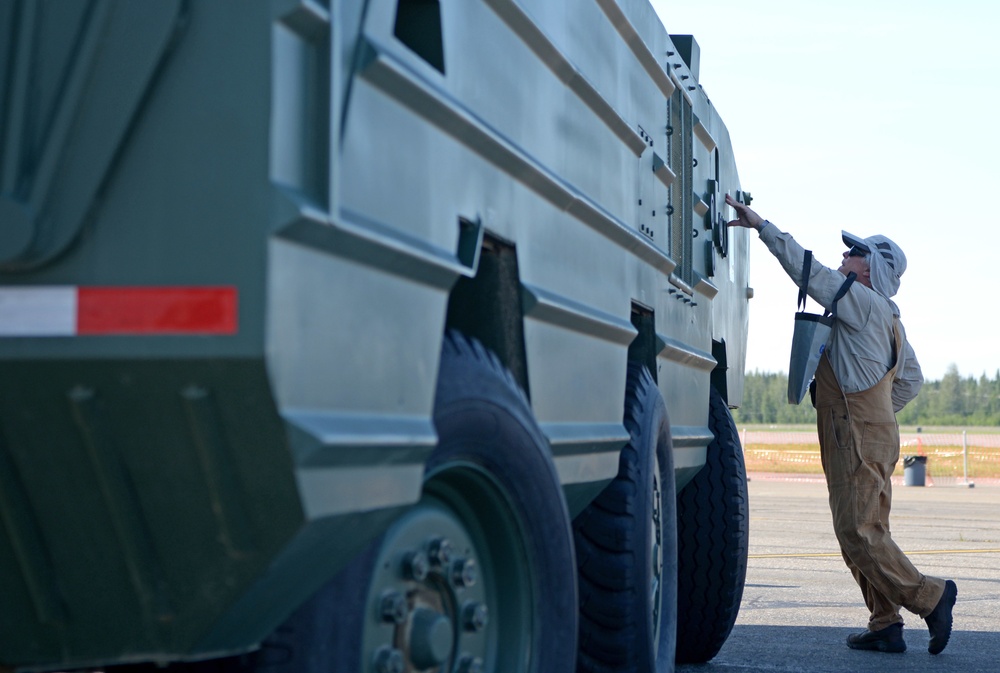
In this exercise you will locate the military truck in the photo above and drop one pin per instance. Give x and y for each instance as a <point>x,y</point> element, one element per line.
<point>365,335</point>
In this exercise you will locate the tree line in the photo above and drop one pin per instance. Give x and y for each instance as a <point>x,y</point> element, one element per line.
<point>954,400</point>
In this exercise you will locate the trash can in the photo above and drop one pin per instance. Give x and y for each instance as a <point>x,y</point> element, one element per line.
<point>914,470</point>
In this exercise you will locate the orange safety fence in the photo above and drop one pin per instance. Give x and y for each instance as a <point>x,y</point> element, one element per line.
<point>955,458</point>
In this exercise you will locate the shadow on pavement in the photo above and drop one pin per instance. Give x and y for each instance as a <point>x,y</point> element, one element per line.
<point>823,650</point>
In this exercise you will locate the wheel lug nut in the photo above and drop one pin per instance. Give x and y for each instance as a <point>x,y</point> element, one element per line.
<point>432,638</point>
<point>439,551</point>
<point>389,660</point>
<point>464,572</point>
<point>416,566</point>
<point>470,664</point>
<point>393,608</point>
<point>475,616</point>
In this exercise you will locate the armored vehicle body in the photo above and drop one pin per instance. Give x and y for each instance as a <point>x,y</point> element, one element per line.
<point>365,335</point>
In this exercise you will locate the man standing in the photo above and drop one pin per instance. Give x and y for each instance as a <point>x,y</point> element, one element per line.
<point>867,373</point>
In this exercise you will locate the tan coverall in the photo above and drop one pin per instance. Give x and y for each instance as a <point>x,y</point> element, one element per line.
<point>859,445</point>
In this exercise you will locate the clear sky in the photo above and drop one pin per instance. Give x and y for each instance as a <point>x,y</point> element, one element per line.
<point>872,116</point>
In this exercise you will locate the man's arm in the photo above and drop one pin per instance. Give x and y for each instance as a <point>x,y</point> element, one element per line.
<point>824,282</point>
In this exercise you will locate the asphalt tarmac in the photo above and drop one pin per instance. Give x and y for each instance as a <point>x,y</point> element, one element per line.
<point>800,601</point>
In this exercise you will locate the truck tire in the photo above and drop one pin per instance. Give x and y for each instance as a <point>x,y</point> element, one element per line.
<point>477,576</point>
<point>626,547</point>
<point>712,543</point>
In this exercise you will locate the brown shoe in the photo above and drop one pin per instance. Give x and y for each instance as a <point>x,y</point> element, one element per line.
<point>939,620</point>
<point>889,639</point>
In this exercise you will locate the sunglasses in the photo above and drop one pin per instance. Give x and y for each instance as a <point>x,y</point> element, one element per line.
<point>855,251</point>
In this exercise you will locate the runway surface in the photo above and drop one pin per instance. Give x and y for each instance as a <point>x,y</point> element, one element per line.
<point>800,601</point>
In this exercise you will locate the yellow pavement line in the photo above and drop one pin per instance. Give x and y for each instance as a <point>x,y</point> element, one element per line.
<point>909,553</point>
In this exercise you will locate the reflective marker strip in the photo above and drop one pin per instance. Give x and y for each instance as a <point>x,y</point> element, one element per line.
<point>69,311</point>
<point>38,311</point>
<point>156,310</point>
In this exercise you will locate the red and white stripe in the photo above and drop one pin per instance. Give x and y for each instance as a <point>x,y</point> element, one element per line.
<point>60,310</point>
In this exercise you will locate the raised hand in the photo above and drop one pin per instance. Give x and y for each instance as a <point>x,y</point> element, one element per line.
<point>746,217</point>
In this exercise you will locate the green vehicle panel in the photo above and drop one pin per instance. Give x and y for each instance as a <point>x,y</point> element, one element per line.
<point>232,236</point>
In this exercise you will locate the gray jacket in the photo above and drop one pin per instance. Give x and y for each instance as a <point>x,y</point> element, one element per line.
<point>861,344</point>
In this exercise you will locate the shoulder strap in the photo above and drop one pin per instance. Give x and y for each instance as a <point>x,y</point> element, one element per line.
<point>806,267</point>
<point>851,277</point>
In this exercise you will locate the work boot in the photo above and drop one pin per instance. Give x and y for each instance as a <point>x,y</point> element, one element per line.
<point>939,620</point>
<point>889,639</point>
